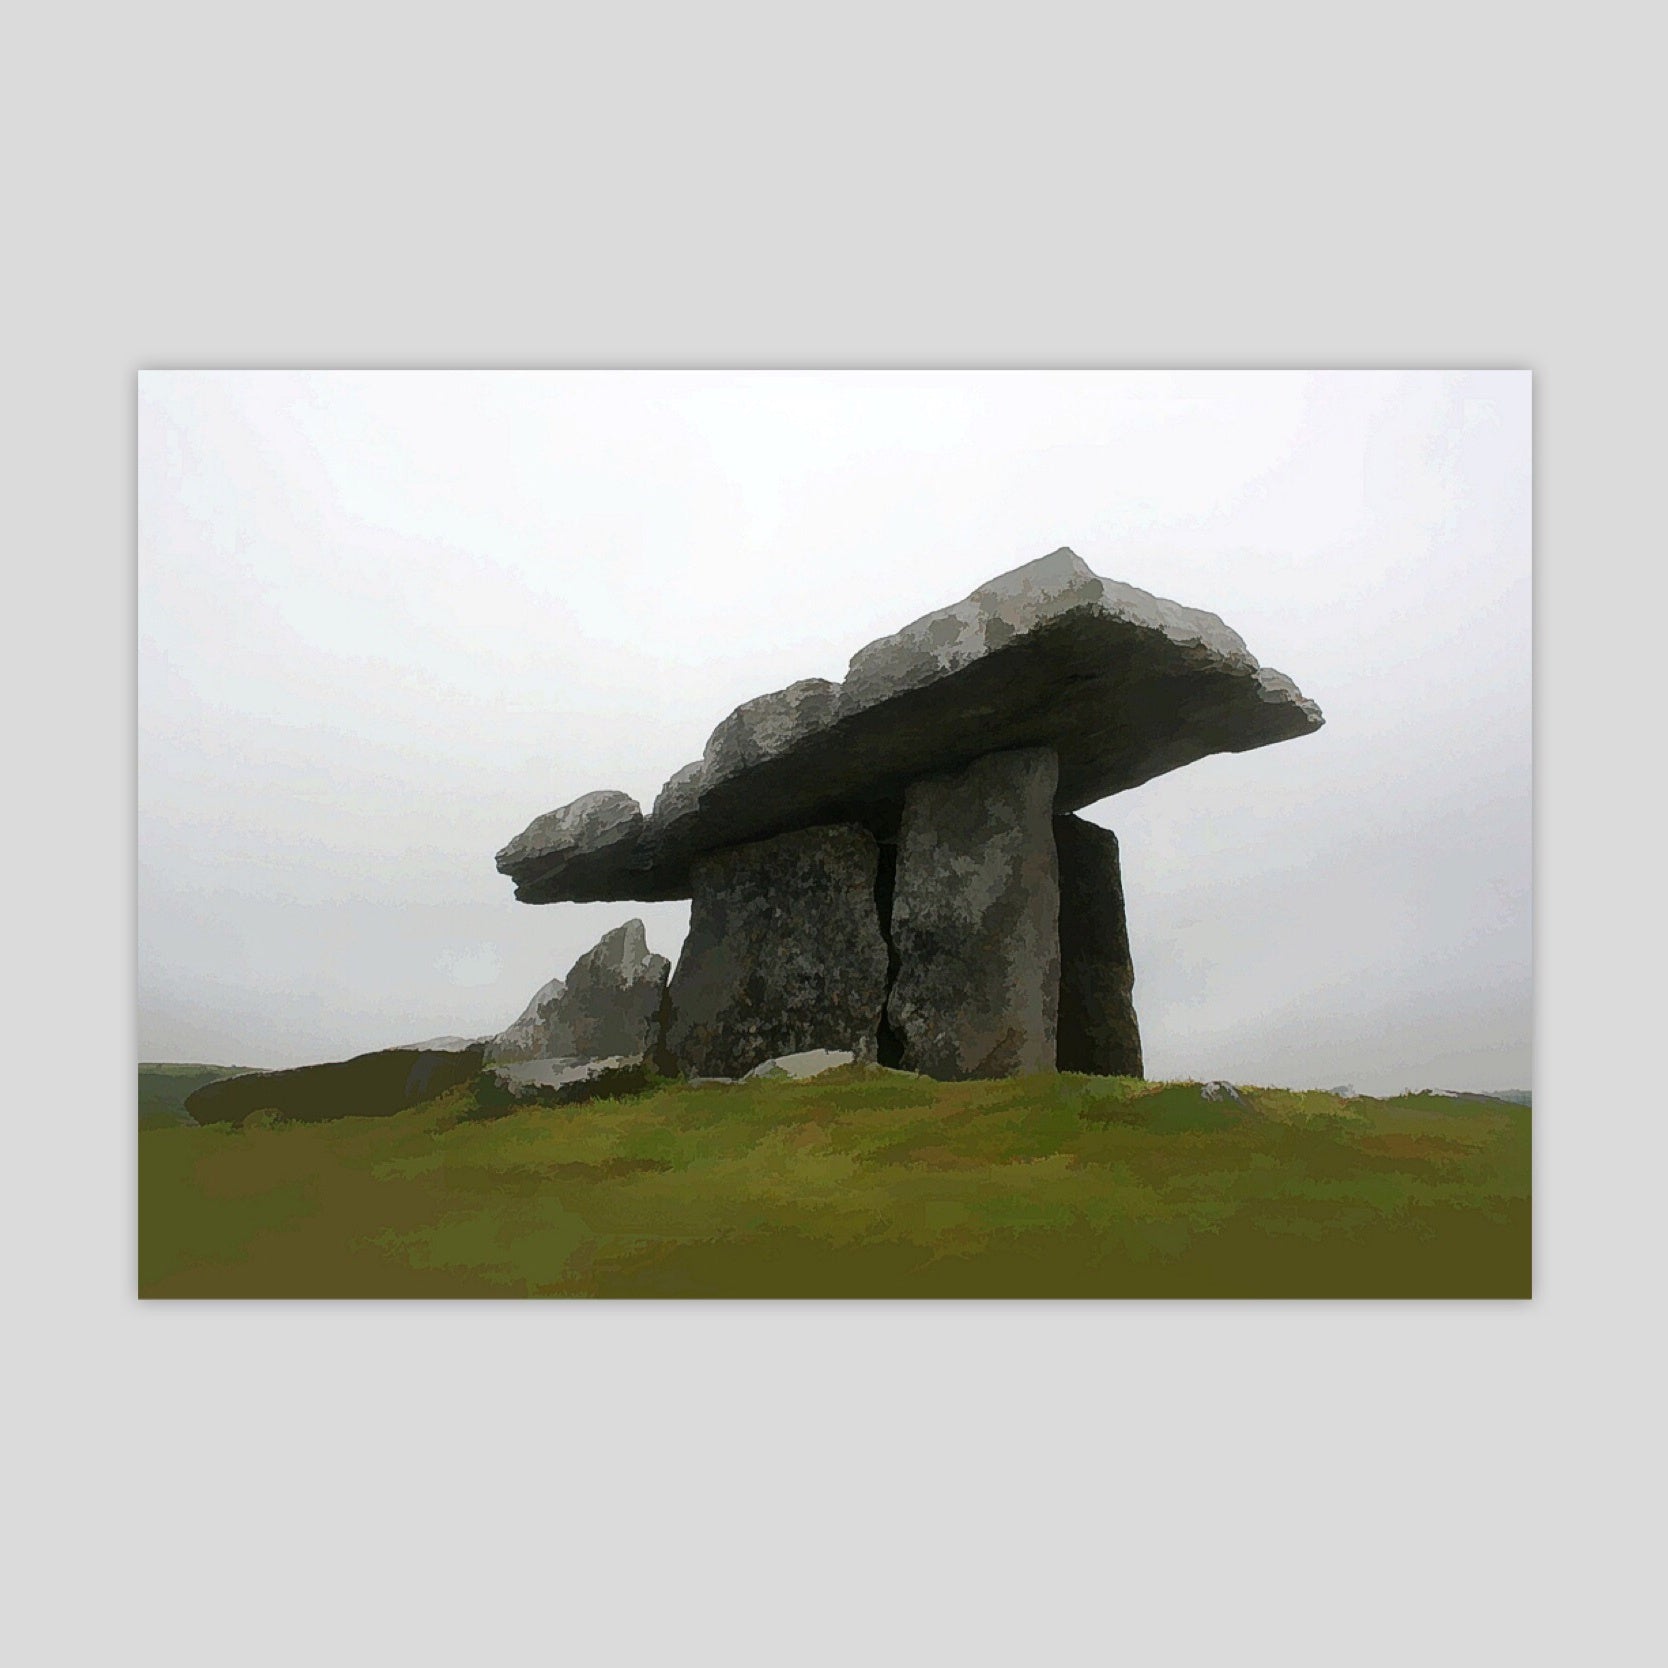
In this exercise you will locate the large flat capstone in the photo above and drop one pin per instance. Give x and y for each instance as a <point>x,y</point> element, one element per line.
<point>1120,684</point>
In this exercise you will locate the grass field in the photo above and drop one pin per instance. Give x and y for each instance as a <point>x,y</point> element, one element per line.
<point>163,1088</point>
<point>854,1185</point>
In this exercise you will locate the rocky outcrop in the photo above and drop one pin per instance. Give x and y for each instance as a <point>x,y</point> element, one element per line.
<point>614,994</point>
<point>784,954</point>
<point>1097,1029</point>
<point>1120,684</point>
<point>608,1005</point>
<point>367,1086</point>
<point>975,920</point>
<point>543,1030</point>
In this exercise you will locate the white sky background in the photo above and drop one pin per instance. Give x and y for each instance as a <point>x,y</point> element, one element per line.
<point>387,618</point>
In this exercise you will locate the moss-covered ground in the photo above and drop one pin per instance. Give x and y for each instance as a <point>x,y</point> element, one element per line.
<point>857,1184</point>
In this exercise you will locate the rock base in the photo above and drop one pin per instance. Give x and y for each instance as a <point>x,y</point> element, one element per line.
<point>563,1082</point>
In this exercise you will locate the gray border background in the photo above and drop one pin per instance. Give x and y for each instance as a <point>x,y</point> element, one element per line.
<point>1286,186</point>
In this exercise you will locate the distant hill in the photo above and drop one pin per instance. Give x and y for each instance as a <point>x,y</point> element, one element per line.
<point>1515,1097</point>
<point>164,1086</point>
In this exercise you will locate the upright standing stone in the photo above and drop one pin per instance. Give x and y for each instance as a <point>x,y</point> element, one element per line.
<point>784,953</point>
<point>613,995</point>
<point>1098,1033</point>
<point>975,919</point>
<point>608,1005</point>
<point>544,1029</point>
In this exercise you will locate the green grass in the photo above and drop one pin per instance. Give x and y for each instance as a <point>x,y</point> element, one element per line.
<point>854,1185</point>
<point>163,1088</point>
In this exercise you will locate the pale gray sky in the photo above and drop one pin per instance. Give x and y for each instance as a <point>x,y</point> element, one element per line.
<point>386,618</point>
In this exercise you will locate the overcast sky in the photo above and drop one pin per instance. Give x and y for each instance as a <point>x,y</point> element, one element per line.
<point>387,618</point>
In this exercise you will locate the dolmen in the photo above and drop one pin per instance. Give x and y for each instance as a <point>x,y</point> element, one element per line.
<point>890,866</point>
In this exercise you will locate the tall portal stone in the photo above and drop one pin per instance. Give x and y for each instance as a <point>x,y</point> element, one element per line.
<point>784,953</point>
<point>975,919</point>
<point>1098,1033</point>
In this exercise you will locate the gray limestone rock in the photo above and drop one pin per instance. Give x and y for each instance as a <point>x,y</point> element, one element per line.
<point>542,1031</point>
<point>608,1005</point>
<point>558,1082</point>
<point>784,954</point>
<point>613,995</point>
<point>769,725</point>
<point>975,920</point>
<point>1097,1031</point>
<point>1122,685</point>
<point>812,1063</point>
<point>586,844</point>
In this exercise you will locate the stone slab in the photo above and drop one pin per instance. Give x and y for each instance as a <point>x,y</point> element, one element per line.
<point>608,1005</point>
<point>975,920</point>
<point>784,954</point>
<point>559,1082</point>
<point>1097,1028</point>
<point>1123,685</point>
<point>812,1063</point>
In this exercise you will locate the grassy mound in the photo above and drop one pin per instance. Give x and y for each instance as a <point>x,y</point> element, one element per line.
<point>377,1084</point>
<point>856,1184</point>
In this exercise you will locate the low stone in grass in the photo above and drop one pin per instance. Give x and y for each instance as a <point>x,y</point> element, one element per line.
<point>811,1063</point>
<point>567,1082</point>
